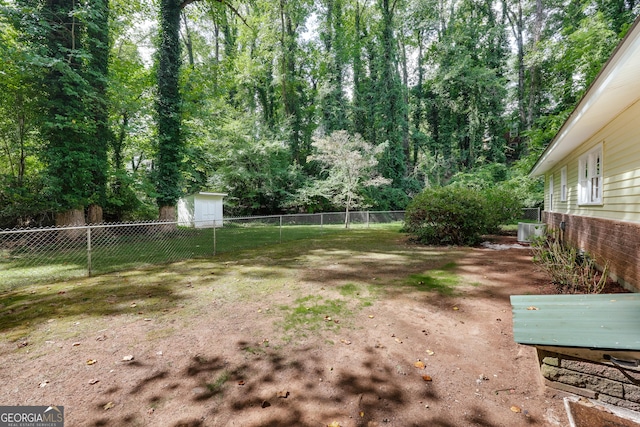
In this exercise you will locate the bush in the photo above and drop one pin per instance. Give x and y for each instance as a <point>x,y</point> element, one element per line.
<point>456,215</point>
<point>570,270</point>
<point>501,207</point>
<point>447,215</point>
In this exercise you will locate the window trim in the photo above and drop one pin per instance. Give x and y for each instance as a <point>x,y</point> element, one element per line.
<point>590,167</point>
<point>551,193</point>
<point>563,184</point>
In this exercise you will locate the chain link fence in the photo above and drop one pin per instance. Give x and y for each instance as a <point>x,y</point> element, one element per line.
<point>531,214</point>
<point>48,254</point>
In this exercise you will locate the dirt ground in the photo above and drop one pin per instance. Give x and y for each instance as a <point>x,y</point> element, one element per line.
<point>382,355</point>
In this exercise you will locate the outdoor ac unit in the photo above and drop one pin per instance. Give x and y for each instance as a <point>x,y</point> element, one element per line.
<point>527,231</point>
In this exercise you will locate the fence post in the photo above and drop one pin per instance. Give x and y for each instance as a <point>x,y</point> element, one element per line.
<point>280,228</point>
<point>89,251</point>
<point>214,237</point>
<point>367,219</point>
<point>321,220</point>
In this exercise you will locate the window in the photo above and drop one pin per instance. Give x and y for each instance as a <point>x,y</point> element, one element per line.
<point>590,177</point>
<point>550,193</point>
<point>563,184</point>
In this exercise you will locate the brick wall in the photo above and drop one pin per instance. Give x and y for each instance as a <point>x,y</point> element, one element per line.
<point>606,383</point>
<point>607,240</point>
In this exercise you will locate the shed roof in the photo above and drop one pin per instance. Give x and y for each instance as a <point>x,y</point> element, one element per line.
<point>206,193</point>
<point>604,321</point>
<point>615,89</point>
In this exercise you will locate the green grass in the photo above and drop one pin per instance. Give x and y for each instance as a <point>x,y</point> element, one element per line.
<point>62,260</point>
<point>313,313</point>
<point>369,262</point>
<point>442,280</point>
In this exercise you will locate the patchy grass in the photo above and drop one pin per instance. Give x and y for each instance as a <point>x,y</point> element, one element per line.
<point>443,280</point>
<point>187,289</point>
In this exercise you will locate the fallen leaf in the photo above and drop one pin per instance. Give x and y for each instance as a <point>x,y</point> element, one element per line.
<point>94,381</point>
<point>128,358</point>
<point>361,413</point>
<point>241,382</point>
<point>23,344</point>
<point>455,308</point>
<point>398,340</point>
<point>327,318</point>
<point>101,337</point>
<point>334,424</point>
<point>347,342</point>
<point>283,394</point>
<point>265,404</point>
<point>426,377</point>
<point>91,362</point>
<point>371,316</point>
<point>532,308</point>
<point>133,304</point>
<point>430,353</point>
<point>108,406</point>
<point>75,344</point>
<point>516,409</point>
<point>44,383</point>
<point>419,365</point>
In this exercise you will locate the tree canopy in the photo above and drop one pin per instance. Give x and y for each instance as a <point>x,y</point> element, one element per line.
<point>123,107</point>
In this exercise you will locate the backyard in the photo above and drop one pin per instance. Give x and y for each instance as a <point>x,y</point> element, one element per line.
<point>351,328</point>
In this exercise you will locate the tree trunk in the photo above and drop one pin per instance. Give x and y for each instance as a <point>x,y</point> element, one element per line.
<point>71,218</point>
<point>167,213</point>
<point>94,214</point>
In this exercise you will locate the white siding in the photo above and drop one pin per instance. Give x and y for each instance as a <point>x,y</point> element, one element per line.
<point>621,171</point>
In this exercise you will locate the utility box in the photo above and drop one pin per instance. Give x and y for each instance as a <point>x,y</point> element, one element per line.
<point>201,210</point>
<point>528,231</point>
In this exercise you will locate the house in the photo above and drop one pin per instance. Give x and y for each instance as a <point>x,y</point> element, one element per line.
<point>591,168</point>
<point>201,210</point>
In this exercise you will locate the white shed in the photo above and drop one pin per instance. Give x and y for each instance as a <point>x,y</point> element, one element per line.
<point>201,210</point>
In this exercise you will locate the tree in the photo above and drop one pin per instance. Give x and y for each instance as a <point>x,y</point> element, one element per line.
<point>349,165</point>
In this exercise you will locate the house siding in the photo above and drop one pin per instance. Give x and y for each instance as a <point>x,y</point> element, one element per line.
<point>621,172</point>
<point>609,231</point>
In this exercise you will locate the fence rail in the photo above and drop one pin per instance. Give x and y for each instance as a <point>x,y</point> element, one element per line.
<point>47,254</point>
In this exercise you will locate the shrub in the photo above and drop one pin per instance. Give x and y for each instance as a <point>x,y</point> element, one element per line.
<point>447,215</point>
<point>570,270</point>
<point>501,207</point>
<point>457,215</point>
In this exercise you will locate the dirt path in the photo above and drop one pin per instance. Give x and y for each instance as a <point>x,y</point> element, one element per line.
<point>330,337</point>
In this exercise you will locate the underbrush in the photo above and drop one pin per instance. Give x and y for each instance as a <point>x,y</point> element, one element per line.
<point>571,270</point>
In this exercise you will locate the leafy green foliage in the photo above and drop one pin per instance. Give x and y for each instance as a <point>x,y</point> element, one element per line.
<point>170,145</point>
<point>348,164</point>
<point>456,215</point>
<point>439,82</point>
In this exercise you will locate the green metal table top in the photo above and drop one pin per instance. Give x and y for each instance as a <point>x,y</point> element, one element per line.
<point>604,321</point>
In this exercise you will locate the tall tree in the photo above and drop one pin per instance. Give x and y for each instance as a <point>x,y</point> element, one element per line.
<point>170,144</point>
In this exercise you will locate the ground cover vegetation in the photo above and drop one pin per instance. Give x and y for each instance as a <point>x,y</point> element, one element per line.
<point>570,270</point>
<point>111,110</point>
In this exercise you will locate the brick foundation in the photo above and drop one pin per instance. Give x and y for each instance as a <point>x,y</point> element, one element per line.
<point>607,240</point>
<point>608,384</point>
